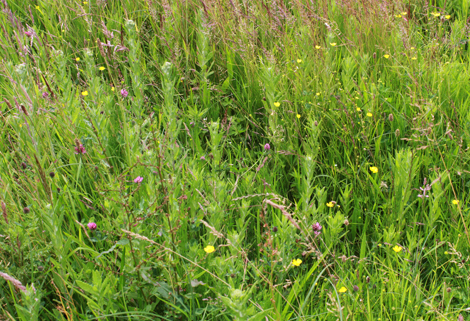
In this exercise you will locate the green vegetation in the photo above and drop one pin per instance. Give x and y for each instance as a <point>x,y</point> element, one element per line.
<point>234,160</point>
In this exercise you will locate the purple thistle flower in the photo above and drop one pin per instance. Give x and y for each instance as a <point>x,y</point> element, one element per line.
<point>267,147</point>
<point>45,95</point>
<point>203,158</point>
<point>138,179</point>
<point>124,93</point>
<point>316,228</point>
<point>92,226</point>
<point>28,33</point>
<point>80,149</point>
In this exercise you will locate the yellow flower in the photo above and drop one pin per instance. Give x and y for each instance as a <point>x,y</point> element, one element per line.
<point>369,114</point>
<point>358,109</point>
<point>379,244</point>
<point>77,59</point>
<point>446,252</point>
<point>299,61</point>
<point>412,48</point>
<point>397,248</point>
<point>397,16</point>
<point>330,204</point>
<point>209,249</point>
<point>404,13</point>
<point>277,104</point>
<point>85,93</point>
<point>386,56</point>
<point>112,88</point>
<point>342,290</point>
<point>374,169</point>
<point>413,58</point>
<point>317,47</point>
<point>296,262</point>
<point>436,14</point>
<point>298,116</point>
<point>447,16</point>
<point>85,3</point>
<point>102,68</point>
<point>318,94</point>
<point>37,7</point>
<point>333,44</point>
<point>455,202</point>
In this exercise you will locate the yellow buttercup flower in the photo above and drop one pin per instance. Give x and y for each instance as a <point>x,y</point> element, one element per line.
<point>447,17</point>
<point>330,204</point>
<point>102,68</point>
<point>77,59</point>
<point>333,44</point>
<point>112,88</point>
<point>374,169</point>
<point>386,56</point>
<point>397,248</point>
<point>318,94</point>
<point>298,116</point>
<point>358,109</point>
<point>404,13</point>
<point>369,114</point>
<point>342,290</point>
<point>455,202</point>
<point>296,262</point>
<point>277,104</point>
<point>436,14</point>
<point>413,58</point>
<point>412,48</point>
<point>85,93</point>
<point>299,61</point>
<point>209,249</point>
<point>397,16</point>
<point>317,47</point>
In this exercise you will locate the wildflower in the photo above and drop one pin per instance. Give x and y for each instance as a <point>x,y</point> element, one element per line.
<point>124,93</point>
<point>299,61</point>
<point>356,288</point>
<point>404,13</point>
<point>369,114</point>
<point>342,290</point>
<point>397,16</point>
<point>316,228</point>
<point>296,262</point>
<point>374,169</point>
<point>77,59</point>
<point>138,179</point>
<point>298,116</point>
<point>436,14</point>
<point>330,204</point>
<point>447,17</point>
<point>52,174</point>
<point>386,56</point>
<point>333,44</point>
<point>275,229</point>
<point>44,95</point>
<point>85,93</point>
<point>79,149</point>
<point>358,109</point>
<point>455,202</point>
<point>267,147</point>
<point>318,94</point>
<point>277,104</point>
<point>446,252</point>
<point>397,248</point>
<point>85,3</point>
<point>202,158</point>
<point>317,47</point>
<point>412,48</point>
<point>28,33</point>
<point>424,189</point>
<point>37,7</point>
<point>92,226</point>
<point>209,249</point>
<point>112,88</point>
<point>413,58</point>
<point>26,210</point>
<point>102,68</point>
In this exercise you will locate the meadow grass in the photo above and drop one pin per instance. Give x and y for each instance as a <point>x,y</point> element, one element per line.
<point>234,160</point>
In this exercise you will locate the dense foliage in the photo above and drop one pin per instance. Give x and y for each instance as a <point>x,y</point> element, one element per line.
<point>234,160</point>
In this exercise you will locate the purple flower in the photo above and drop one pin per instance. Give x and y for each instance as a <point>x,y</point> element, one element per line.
<point>316,228</point>
<point>424,189</point>
<point>203,158</point>
<point>80,149</point>
<point>45,95</point>
<point>267,147</point>
<point>92,226</point>
<point>124,93</point>
<point>139,179</point>
<point>28,33</point>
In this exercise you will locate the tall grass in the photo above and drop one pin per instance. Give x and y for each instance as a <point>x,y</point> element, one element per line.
<point>241,160</point>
